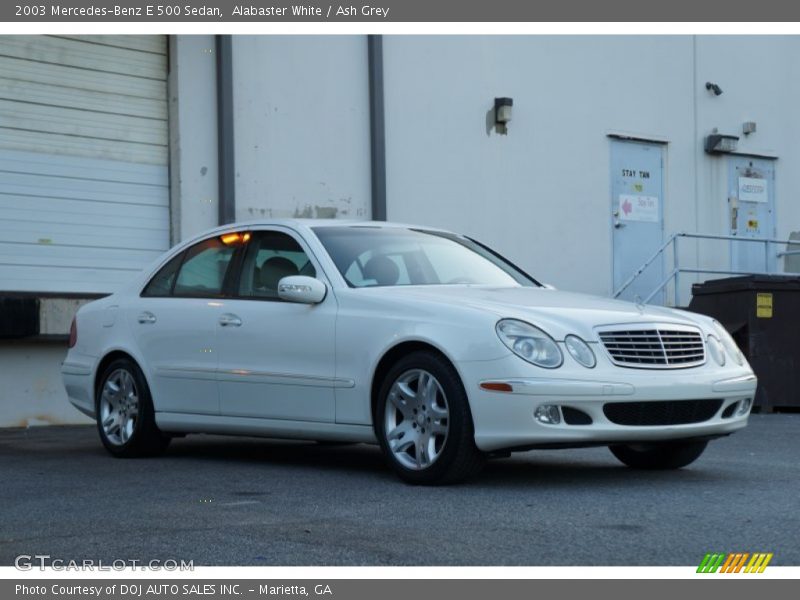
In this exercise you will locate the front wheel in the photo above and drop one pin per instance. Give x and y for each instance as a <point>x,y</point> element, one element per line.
<point>662,455</point>
<point>125,415</point>
<point>423,421</point>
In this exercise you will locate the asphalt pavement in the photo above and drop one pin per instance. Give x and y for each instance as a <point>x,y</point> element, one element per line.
<point>247,501</point>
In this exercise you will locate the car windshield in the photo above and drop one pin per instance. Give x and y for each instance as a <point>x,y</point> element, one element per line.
<point>384,256</point>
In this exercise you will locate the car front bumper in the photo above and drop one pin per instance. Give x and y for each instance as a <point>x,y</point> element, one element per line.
<point>505,419</point>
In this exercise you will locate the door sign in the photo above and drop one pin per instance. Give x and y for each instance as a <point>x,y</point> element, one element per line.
<point>752,189</point>
<point>639,208</point>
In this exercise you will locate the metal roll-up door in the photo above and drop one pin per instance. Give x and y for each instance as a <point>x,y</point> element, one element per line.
<point>84,189</point>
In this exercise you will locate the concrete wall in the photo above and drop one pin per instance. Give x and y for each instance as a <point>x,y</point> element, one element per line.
<point>541,193</point>
<point>193,135</point>
<point>301,113</point>
<point>31,392</point>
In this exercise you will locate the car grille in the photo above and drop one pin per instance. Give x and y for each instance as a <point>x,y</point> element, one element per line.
<point>661,347</point>
<point>661,412</point>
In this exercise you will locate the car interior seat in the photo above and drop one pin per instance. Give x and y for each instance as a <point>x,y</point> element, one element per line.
<point>382,269</point>
<point>272,271</point>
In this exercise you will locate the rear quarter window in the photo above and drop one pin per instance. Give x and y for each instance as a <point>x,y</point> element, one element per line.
<point>161,283</point>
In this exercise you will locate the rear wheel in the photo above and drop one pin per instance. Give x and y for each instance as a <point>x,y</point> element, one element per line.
<point>662,455</point>
<point>125,415</point>
<point>423,422</point>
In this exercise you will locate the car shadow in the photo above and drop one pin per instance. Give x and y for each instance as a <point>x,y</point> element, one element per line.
<point>313,455</point>
<point>552,469</point>
<point>537,469</point>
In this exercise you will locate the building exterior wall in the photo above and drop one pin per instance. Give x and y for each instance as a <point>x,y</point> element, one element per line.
<point>759,77</point>
<point>541,193</point>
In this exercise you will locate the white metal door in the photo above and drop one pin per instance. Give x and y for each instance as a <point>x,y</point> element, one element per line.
<point>637,216</point>
<point>751,195</point>
<point>84,191</point>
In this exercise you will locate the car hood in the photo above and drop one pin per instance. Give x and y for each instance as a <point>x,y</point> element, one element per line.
<point>559,313</point>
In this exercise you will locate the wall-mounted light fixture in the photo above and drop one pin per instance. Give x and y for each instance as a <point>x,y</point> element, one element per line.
<point>713,88</point>
<point>718,143</point>
<point>502,113</point>
<point>502,110</point>
<point>748,127</point>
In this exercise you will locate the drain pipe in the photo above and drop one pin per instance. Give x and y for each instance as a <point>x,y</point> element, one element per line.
<point>226,174</point>
<point>377,127</point>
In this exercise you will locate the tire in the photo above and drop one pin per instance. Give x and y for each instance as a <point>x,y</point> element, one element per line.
<point>126,419</point>
<point>660,456</point>
<point>428,438</point>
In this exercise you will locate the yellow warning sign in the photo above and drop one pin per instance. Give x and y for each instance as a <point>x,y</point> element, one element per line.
<point>764,306</point>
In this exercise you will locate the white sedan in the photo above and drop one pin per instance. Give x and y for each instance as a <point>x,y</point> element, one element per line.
<point>424,341</point>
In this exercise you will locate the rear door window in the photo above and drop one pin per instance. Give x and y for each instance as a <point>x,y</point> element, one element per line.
<point>204,267</point>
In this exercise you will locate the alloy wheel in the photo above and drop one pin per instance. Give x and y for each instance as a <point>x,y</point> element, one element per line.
<point>416,420</point>
<point>119,407</point>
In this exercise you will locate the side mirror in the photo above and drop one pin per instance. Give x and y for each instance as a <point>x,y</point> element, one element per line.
<point>302,289</point>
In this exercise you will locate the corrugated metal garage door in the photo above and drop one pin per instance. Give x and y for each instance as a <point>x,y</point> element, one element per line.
<point>84,189</point>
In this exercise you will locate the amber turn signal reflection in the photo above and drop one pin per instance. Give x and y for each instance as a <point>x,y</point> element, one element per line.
<point>496,386</point>
<point>234,238</point>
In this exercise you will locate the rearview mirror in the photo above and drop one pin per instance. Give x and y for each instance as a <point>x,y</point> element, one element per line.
<point>302,289</point>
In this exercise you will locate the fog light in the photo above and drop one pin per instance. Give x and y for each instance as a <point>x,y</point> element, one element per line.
<point>548,414</point>
<point>744,406</point>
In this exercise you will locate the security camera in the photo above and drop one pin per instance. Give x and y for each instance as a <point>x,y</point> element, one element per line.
<point>713,87</point>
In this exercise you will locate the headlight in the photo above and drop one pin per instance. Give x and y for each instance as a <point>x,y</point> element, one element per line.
<point>530,343</point>
<point>716,350</point>
<point>728,343</point>
<point>580,351</point>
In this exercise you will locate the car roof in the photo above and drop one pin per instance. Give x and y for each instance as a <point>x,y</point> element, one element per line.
<point>311,223</point>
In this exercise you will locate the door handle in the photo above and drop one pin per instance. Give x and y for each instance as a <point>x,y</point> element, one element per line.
<point>146,317</point>
<point>230,320</point>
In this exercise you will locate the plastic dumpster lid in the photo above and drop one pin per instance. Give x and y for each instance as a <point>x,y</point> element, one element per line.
<point>763,283</point>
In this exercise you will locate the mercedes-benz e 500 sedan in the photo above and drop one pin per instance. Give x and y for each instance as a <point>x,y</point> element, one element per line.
<point>424,341</point>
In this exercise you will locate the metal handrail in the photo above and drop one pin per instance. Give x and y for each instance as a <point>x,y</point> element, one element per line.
<point>646,264</point>
<point>677,269</point>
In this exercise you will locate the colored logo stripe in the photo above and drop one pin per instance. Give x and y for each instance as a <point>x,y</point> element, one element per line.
<point>710,563</point>
<point>758,563</point>
<point>734,562</point>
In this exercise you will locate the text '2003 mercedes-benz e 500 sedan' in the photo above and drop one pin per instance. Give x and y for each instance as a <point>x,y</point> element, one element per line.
<point>424,341</point>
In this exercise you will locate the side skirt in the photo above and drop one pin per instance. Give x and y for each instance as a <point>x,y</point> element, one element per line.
<point>275,428</point>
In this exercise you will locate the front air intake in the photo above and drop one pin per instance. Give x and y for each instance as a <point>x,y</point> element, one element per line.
<point>661,412</point>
